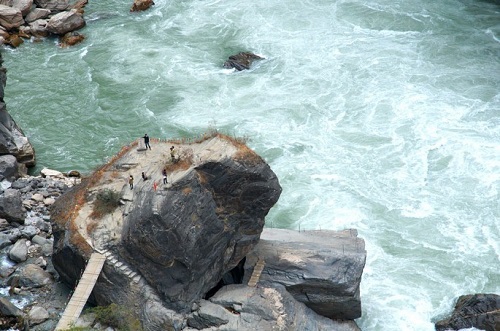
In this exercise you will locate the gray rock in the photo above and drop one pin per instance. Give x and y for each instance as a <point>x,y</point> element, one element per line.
<point>41,262</point>
<point>37,315</point>
<point>481,311</point>
<point>14,234</point>
<point>65,22</point>
<point>10,18</point>
<point>43,226</point>
<point>39,240</point>
<point>36,14</point>
<point>50,173</point>
<point>32,275</point>
<point>5,271</point>
<point>53,5</point>
<point>3,224</point>
<point>29,231</point>
<point>8,167</point>
<point>208,315</point>
<point>37,197</point>
<point>155,316</point>
<point>85,321</point>
<point>23,5</point>
<point>11,206</point>
<point>47,249</point>
<point>19,251</point>
<point>12,139</point>
<point>49,201</point>
<point>269,309</point>
<point>8,309</point>
<point>322,269</point>
<point>4,241</point>
<point>20,183</point>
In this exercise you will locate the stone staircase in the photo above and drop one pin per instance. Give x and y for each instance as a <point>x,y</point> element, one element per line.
<point>122,267</point>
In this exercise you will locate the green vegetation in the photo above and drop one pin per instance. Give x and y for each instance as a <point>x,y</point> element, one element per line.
<point>118,317</point>
<point>105,203</point>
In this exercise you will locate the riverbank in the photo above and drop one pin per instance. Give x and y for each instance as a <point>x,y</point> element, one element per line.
<point>28,282</point>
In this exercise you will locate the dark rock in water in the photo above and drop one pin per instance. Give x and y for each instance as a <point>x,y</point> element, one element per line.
<point>71,38</point>
<point>481,311</point>
<point>74,173</point>
<point>140,5</point>
<point>241,61</point>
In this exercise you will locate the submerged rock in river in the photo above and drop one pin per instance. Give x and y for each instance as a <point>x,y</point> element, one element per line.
<point>241,61</point>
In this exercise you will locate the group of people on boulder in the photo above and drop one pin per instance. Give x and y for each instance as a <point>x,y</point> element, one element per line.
<point>164,171</point>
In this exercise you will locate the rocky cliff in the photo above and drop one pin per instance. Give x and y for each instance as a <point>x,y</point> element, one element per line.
<point>16,152</point>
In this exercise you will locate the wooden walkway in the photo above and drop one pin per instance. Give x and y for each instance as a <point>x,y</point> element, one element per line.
<point>257,271</point>
<point>82,292</point>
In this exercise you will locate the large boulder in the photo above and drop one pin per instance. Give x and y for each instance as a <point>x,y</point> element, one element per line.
<point>31,275</point>
<point>322,269</point>
<point>12,139</point>
<point>10,18</point>
<point>23,5</point>
<point>36,14</point>
<point>179,238</point>
<point>19,251</point>
<point>38,28</point>
<point>480,311</point>
<point>66,21</point>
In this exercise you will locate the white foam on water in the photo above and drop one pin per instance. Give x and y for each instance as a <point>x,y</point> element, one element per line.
<point>378,116</point>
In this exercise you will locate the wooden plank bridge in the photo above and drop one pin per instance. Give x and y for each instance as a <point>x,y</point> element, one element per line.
<point>257,271</point>
<point>82,292</point>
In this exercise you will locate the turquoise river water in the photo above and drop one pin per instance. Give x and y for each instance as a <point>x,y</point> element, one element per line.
<point>380,115</point>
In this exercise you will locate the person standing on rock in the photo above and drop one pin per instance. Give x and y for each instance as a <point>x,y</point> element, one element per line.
<point>131,182</point>
<point>164,172</point>
<point>172,153</point>
<point>146,141</point>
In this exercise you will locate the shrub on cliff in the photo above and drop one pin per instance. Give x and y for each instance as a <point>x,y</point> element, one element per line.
<point>105,202</point>
<point>118,317</point>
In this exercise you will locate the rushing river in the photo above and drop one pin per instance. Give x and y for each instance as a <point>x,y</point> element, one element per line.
<point>381,115</point>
